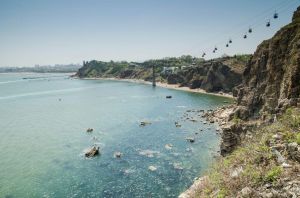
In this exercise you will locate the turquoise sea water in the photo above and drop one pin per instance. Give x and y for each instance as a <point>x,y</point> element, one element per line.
<point>43,122</point>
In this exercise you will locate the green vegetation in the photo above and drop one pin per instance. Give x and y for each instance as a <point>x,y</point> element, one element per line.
<point>143,70</point>
<point>253,163</point>
<point>237,62</point>
<point>114,69</point>
<point>244,58</point>
<point>236,119</point>
<point>273,174</point>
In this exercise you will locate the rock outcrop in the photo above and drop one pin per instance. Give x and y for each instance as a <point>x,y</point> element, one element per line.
<point>212,76</point>
<point>272,76</point>
<point>271,83</point>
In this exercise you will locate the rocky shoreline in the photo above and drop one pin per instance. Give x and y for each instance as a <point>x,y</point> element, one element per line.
<point>284,152</point>
<point>221,116</point>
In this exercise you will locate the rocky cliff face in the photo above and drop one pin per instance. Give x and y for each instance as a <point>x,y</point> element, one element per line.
<point>272,76</point>
<point>217,75</point>
<point>271,83</point>
<point>212,76</point>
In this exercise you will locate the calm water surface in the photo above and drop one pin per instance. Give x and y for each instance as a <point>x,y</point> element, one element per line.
<point>43,138</point>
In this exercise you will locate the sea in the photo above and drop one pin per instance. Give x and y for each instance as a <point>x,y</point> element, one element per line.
<point>44,119</point>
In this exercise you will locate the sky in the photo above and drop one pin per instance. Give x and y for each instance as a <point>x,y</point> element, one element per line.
<point>48,32</point>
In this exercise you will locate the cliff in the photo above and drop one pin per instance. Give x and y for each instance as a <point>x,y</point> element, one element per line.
<point>219,75</point>
<point>261,136</point>
<point>272,76</point>
<point>271,84</point>
<point>213,76</point>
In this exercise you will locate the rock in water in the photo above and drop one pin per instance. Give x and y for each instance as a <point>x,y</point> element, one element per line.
<point>117,154</point>
<point>148,153</point>
<point>152,168</point>
<point>177,124</point>
<point>89,130</point>
<point>177,166</point>
<point>168,146</point>
<point>144,123</point>
<point>92,152</point>
<point>190,139</point>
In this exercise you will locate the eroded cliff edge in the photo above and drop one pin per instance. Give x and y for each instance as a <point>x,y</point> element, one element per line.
<point>271,83</point>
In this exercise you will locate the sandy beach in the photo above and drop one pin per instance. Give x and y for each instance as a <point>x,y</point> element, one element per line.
<point>165,85</point>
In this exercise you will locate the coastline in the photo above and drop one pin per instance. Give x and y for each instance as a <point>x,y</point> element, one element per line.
<point>165,85</point>
<point>219,116</point>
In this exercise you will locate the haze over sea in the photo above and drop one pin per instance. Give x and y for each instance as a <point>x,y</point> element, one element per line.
<point>43,125</point>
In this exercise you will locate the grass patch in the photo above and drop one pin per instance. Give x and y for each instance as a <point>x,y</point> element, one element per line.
<point>273,174</point>
<point>298,138</point>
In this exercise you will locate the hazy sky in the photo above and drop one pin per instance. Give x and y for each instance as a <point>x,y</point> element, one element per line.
<point>70,31</point>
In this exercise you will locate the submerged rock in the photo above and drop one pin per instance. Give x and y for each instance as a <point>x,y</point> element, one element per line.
<point>129,171</point>
<point>178,125</point>
<point>168,146</point>
<point>118,154</point>
<point>148,153</point>
<point>152,168</point>
<point>177,166</point>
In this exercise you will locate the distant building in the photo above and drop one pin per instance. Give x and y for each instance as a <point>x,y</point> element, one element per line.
<point>170,70</point>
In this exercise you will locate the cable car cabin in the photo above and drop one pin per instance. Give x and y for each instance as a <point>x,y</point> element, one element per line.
<point>203,55</point>
<point>215,49</point>
<point>230,41</point>
<point>268,24</point>
<point>275,15</point>
<point>227,45</point>
<point>250,30</point>
<point>245,36</point>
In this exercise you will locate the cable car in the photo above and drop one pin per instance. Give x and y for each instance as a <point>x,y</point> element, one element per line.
<point>215,49</point>
<point>230,41</point>
<point>227,45</point>
<point>275,15</point>
<point>250,30</point>
<point>203,54</point>
<point>245,36</point>
<point>268,24</point>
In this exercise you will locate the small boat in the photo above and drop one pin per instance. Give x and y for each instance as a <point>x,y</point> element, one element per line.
<point>169,97</point>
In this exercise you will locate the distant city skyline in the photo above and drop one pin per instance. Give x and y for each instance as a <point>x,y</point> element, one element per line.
<point>49,32</point>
